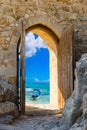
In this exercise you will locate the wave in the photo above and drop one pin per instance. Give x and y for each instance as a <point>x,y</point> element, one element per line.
<point>29,89</point>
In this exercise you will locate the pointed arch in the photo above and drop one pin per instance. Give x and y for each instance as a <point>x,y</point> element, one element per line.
<point>59,42</point>
<point>52,39</point>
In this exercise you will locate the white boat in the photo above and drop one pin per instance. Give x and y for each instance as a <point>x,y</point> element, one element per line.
<point>36,94</point>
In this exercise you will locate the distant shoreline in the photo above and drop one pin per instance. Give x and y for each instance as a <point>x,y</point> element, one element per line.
<point>37,82</point>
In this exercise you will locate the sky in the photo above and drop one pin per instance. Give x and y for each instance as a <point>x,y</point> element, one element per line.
<point>37,59</point>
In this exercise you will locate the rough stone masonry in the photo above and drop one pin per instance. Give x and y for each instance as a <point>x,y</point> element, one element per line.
<point>64,12</point>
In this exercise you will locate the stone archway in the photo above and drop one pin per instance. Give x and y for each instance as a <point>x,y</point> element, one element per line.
<point>61,49</point>
<point>52,41</point>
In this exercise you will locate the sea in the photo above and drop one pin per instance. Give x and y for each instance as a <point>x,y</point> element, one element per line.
<point>44,88</point>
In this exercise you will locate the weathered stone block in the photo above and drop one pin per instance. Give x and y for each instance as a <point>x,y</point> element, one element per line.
<point>85,101</point>
<point>8,92</point>
<point>8,108</point>
<point>73,107</point>
<point>8,71</point>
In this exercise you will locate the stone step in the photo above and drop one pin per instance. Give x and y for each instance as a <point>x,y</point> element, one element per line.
<point>41,112</point>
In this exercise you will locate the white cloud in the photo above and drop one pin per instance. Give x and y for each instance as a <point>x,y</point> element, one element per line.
<point>46,81</point>
<point>36,80</point>
<point>41,81</point>
<point>32,44</point>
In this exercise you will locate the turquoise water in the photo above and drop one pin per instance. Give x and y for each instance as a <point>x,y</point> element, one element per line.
<point>44,89</point>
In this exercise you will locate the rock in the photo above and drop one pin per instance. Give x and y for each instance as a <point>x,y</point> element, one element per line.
<point>82,18</point>
<point>8,92</point>
<point>79,124</point>
<point>81,77</point>
<point>63,127</point>
<point>85,125</point>
<point>85,101</point>
<point>72,110</point>
<point>5,34</point>
<point>7,127</point>
<point>77,128</point>
<point>73,17</point>
<point>85,112</point>
<point>6,119</point>
<point>78,101</point>
<point>8,108</point>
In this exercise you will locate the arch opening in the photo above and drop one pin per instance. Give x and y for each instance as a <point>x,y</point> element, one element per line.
<point>59,57</point>
<point>51,41</point>
<point>37,78</point>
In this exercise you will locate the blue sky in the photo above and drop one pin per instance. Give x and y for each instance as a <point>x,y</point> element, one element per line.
<point>37,59</point>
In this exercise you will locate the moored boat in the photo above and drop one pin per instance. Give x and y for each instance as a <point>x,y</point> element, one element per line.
<point>36,94</point>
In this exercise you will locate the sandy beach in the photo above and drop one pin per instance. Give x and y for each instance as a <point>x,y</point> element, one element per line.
<point>41,106</point>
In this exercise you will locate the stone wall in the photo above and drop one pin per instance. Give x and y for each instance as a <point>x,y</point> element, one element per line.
<point>58,12</point>
<point>75,110</point>
<point>64,12</point>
